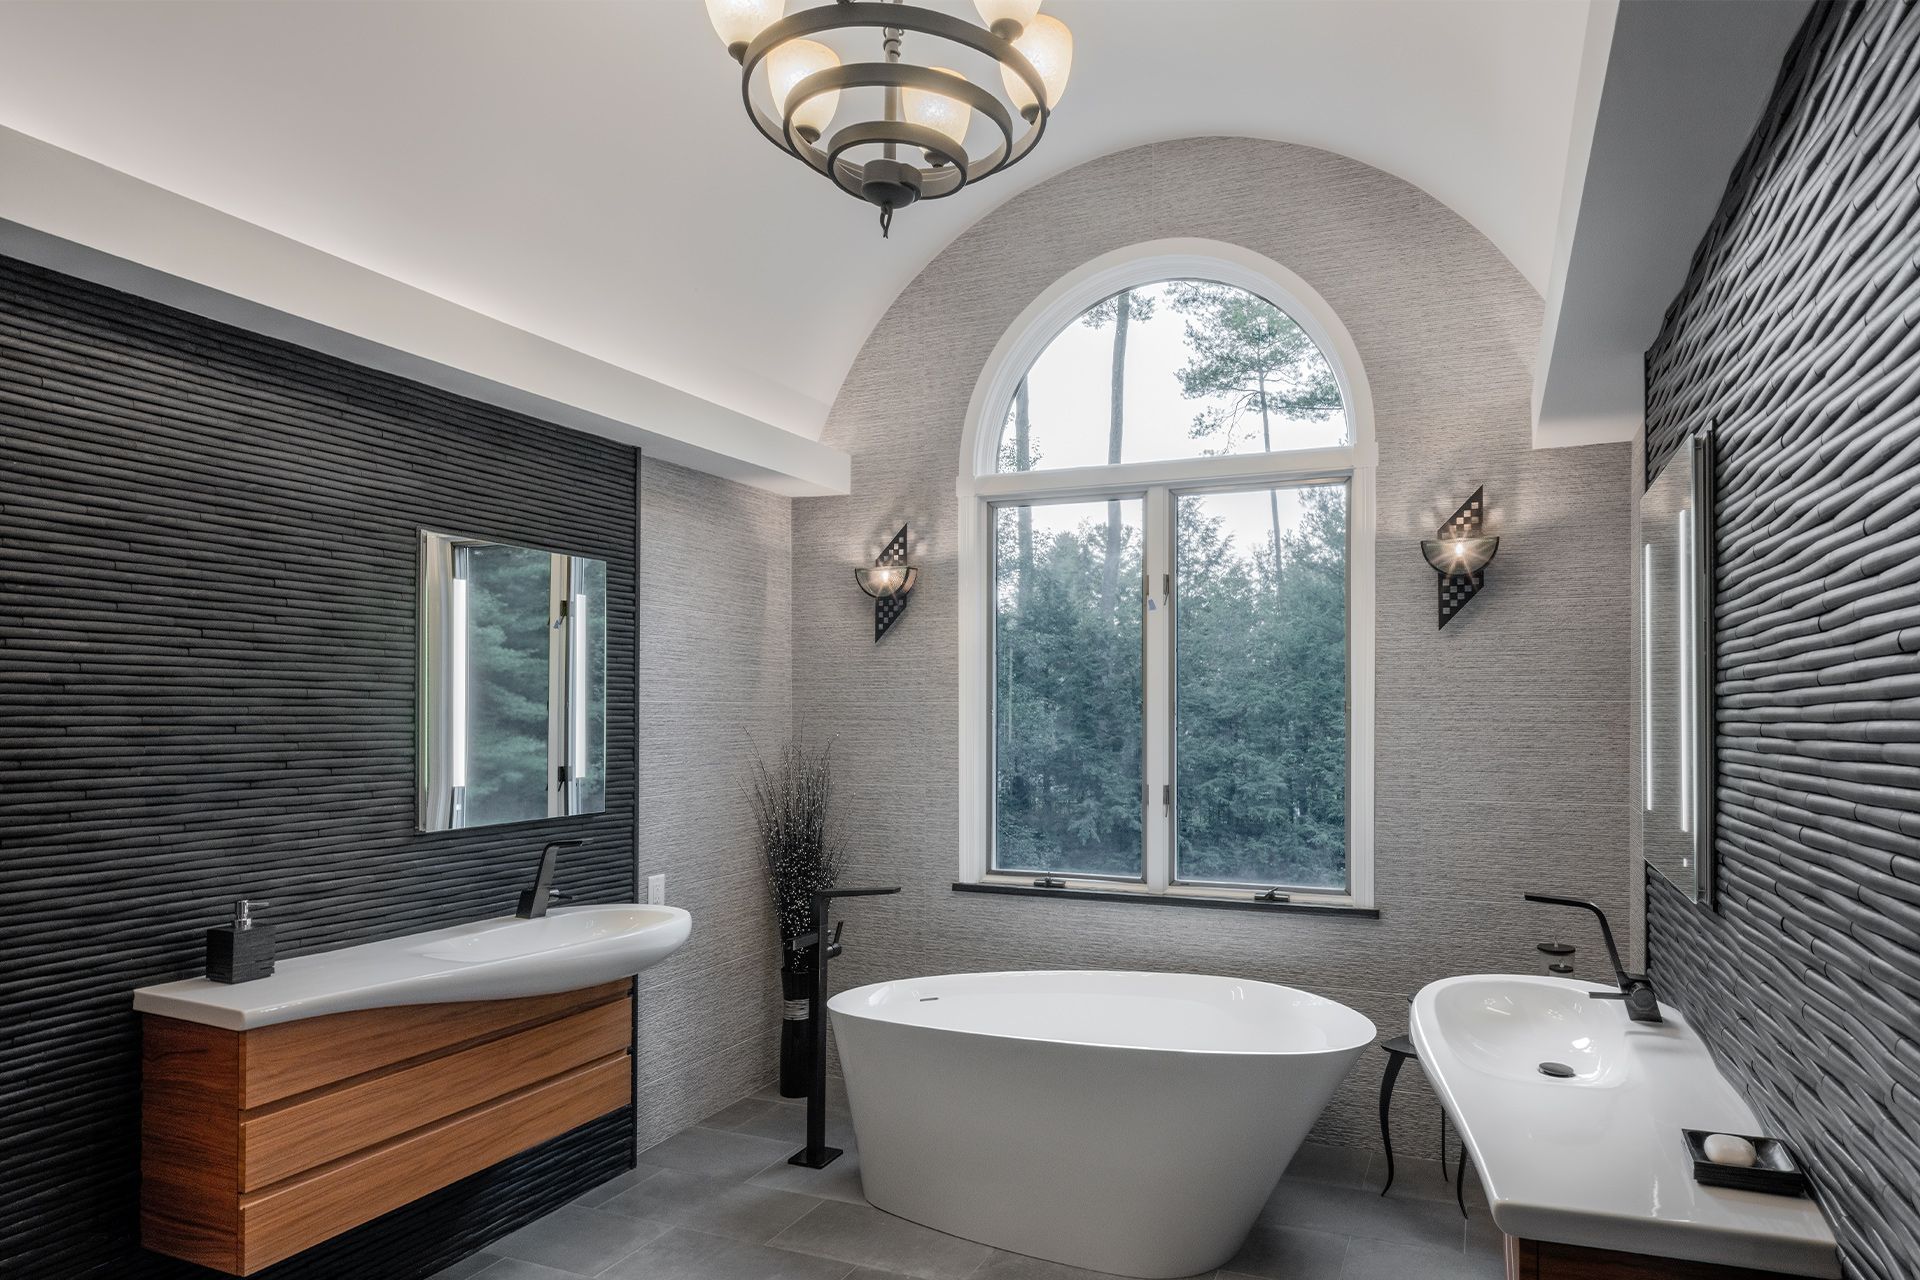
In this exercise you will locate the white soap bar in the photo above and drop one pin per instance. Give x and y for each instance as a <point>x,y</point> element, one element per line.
<point>1725,1148</point>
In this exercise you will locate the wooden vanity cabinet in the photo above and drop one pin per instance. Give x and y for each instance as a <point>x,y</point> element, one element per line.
<point>1544,1260</point>
<point>258,1144</point>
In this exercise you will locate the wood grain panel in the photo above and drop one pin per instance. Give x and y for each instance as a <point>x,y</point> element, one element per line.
<point>190,1141</point>
<point>1545,1260</point>
<point>285,1219</point>
<point>311,1130</point>
<point>1523,1262</point>
<point>290,1058</point>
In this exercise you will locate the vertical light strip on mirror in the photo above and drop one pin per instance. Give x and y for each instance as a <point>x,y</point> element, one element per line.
<point>1646,676</point>
<point>577,695</point>
<point>457,677</point>
<point>1684,635</point>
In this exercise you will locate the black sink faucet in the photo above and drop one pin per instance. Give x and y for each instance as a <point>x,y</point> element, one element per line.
<point>534,901</point>
<point>1643,1003</point>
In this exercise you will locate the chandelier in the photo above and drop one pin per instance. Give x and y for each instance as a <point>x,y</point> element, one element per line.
<point>917,148</point>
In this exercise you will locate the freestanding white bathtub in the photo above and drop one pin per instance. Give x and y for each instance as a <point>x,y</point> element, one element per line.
<point>1132,1123</point>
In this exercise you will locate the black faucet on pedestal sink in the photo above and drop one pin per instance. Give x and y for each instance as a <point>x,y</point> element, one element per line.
<point>1636,989</point>
<point>534,900</point>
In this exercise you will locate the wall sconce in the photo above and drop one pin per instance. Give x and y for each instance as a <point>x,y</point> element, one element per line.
<point>890,581</point>
<point>1459,554</point>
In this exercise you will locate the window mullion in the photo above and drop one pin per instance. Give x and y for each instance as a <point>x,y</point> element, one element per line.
<point>1156,684</point>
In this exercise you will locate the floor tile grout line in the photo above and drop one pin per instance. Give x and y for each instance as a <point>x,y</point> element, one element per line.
<point>817,1202</point>
<point>637,1249</point>
<point>822,1203</point>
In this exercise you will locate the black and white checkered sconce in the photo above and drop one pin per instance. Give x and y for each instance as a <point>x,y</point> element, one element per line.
<point>890,581</point>
<point>1459,554</point>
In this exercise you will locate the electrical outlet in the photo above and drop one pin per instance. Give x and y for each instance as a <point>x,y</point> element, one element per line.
<point>657,888</point>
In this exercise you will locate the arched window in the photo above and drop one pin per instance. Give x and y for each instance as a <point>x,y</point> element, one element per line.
<point>1174,369</point>
<point>1167,577</point>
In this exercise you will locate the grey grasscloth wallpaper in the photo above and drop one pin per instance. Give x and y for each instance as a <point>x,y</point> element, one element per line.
<point>1794,340</point>
<point>1525,696</point>
<point>716,663</point>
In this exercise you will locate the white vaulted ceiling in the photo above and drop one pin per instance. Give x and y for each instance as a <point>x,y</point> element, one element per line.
<point>583,171</point>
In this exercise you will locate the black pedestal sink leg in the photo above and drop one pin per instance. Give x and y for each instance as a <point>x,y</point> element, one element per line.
<point>1391,1074</point>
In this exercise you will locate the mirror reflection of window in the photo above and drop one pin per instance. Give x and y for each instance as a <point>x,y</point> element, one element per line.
<point>506,685</point>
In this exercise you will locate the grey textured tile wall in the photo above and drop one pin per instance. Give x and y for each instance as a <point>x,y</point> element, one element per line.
<point>716,685</point>
<point>207,646</point>
<point>1794,341</point>
<point>1526,694</point>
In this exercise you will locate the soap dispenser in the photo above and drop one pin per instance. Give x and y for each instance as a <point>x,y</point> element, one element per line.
<point>243,950</point>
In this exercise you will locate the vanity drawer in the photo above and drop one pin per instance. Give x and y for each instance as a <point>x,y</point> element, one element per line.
<point>297,1134</point>
<point>289,1058</point>
<point>298,1214</point>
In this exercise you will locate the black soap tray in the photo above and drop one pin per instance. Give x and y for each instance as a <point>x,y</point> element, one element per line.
<point>1776,1172</point>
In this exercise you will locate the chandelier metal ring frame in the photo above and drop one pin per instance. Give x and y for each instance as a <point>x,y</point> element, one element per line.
<point>953,169</point>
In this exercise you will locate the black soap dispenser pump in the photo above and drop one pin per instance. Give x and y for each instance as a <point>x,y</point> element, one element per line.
<point>243,950</point>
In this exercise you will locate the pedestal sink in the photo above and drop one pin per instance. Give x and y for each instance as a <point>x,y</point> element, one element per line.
<point>1589,1152</point>
<point>494,959</point>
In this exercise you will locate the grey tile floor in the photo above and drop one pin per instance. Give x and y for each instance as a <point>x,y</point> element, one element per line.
<point>718,1201</point>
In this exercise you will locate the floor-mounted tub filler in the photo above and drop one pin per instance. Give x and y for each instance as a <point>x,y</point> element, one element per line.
<point>1131,1123</point>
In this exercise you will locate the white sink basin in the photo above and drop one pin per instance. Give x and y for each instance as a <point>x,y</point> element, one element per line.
<point>1597,1158</point>
<point>489,960</point>
<point>1508,1028</point>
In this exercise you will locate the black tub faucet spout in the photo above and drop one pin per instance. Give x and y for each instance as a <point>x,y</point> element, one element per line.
<point>1636,989</point>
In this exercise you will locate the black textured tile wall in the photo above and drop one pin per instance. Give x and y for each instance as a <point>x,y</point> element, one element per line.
<point>207,648</point>
<point>1797,340</point>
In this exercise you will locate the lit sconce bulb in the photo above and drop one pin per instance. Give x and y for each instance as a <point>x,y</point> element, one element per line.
<point>1048,45</point>
<point>946,116</point>
<point>1459,551</point>
<point>1007,18</point>
<point>737,22</point>
<point>883,580</point>
<point>790,63</point>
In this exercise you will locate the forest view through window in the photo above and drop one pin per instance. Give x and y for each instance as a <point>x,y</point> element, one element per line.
<point>1236,589</point>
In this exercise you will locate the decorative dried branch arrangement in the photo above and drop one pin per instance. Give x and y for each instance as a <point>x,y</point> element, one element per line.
<point>790,805</point>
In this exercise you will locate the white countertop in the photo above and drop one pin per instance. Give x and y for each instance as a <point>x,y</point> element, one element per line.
<point>1599,1160</point>
<point>497,959</point>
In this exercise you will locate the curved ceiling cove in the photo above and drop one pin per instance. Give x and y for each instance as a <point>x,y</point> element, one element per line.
<point>583,172</point>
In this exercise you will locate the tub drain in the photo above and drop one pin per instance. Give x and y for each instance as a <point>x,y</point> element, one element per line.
<point>1558,1070</point>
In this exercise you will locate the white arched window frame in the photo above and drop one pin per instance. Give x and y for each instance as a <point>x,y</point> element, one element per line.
<point>981,486</point>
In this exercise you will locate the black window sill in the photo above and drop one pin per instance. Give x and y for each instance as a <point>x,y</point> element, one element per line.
<point>1176,900</point>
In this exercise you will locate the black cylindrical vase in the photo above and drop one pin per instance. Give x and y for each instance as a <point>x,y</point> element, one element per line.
<point>796,1032</point>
